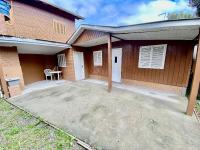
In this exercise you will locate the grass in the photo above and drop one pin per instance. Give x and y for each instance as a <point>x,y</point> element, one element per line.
<point>198,106</point>
<point>19,130</point>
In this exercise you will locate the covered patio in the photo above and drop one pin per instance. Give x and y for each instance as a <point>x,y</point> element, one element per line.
<point>118,121</point>
<point>26,60</point>
<point>95,46</point>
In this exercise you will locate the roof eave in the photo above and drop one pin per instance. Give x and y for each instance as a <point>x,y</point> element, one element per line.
<point>6,39</point>
<point>126,29</point>
<point>67,11</point>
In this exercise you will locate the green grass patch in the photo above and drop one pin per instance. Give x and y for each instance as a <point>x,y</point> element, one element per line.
<point>198,106</point>
<point>19,130</point>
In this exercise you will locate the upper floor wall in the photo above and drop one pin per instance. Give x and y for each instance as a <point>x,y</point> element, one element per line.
<point>35,22</point>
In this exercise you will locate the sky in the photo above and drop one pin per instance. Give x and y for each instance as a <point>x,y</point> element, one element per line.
<point>122,12</point>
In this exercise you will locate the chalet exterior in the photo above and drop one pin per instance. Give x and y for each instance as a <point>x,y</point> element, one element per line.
<point>157,55</point>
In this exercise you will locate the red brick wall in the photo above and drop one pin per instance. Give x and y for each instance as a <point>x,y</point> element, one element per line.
<point>31,22</point>
<point>2,25</point>
<point>10,67</point>
<point>69,72</point>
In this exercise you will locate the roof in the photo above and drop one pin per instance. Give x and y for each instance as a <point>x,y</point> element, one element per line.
<point>64,10</point>
<point>31,46</point>
<point>185,29</point>
<point>45,3</point>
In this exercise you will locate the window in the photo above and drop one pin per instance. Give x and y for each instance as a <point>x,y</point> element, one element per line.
<point>61,60</point>
<point>7,11</point>
<point>6,18</point>
<point>152,56</point>
<point>115,59</point>
<point>97,58</point>
<point>59,27</point>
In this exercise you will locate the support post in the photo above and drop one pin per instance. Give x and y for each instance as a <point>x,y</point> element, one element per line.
<point>195,84</point>
<point>109,63</point>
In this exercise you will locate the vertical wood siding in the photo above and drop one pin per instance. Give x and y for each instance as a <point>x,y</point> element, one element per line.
<point>88,35</point>
<point>177,64</point>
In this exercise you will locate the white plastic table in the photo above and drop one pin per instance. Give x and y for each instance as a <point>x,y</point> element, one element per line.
<point>56,72</point>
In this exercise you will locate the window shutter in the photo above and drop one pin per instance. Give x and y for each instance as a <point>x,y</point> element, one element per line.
<point>145,57</point>
<point>61,60</point>
<point>152,56</point>
<point>97,57</point>
<point>158,56</point>
<point>59,27</point>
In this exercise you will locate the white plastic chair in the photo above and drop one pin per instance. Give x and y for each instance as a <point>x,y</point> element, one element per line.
<point>47,73</point>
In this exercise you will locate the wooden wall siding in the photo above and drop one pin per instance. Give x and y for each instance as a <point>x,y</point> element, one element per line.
<point>98,70</point>
<point>31,22</point>
<point>33,66</point>
<point>88,35</point>
<point>177,65</point>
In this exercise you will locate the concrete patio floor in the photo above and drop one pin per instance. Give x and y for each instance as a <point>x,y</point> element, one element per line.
<point>118,120</point>
<point>40,85</point>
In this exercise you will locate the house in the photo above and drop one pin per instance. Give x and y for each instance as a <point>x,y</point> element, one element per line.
<point>157,55</point>
<point>31,34</point>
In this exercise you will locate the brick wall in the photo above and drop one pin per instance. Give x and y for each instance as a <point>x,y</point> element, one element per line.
<point>10,68</point>
<point>2,25</point>
<point>31,22</point>
<point>69,72</point>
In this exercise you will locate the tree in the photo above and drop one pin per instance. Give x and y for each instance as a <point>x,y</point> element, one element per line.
<point>180,15</point>
<point>195,3</point>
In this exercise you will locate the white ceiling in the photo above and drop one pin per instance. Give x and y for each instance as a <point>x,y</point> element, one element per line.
<point>28,46</point>
<point>167,34</point>
<point>35,49</point>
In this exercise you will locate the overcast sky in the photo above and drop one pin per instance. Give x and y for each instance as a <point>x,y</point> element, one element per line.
<point>122,12</point>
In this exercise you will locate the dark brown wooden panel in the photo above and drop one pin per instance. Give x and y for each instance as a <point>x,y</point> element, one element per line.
<point>177,63</point>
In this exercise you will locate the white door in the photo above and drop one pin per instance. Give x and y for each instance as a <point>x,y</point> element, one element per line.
<point>79,65</point>
<point>116,64</point>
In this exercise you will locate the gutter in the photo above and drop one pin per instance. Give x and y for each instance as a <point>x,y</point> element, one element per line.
<point>14,40</point>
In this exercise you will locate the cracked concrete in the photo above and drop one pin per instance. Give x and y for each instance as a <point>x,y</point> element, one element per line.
<point>118,120</point>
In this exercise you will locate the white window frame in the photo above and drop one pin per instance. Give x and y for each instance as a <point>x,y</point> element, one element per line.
<point>150,65</point>
<point>98,58</point>
<point>61,60</point>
